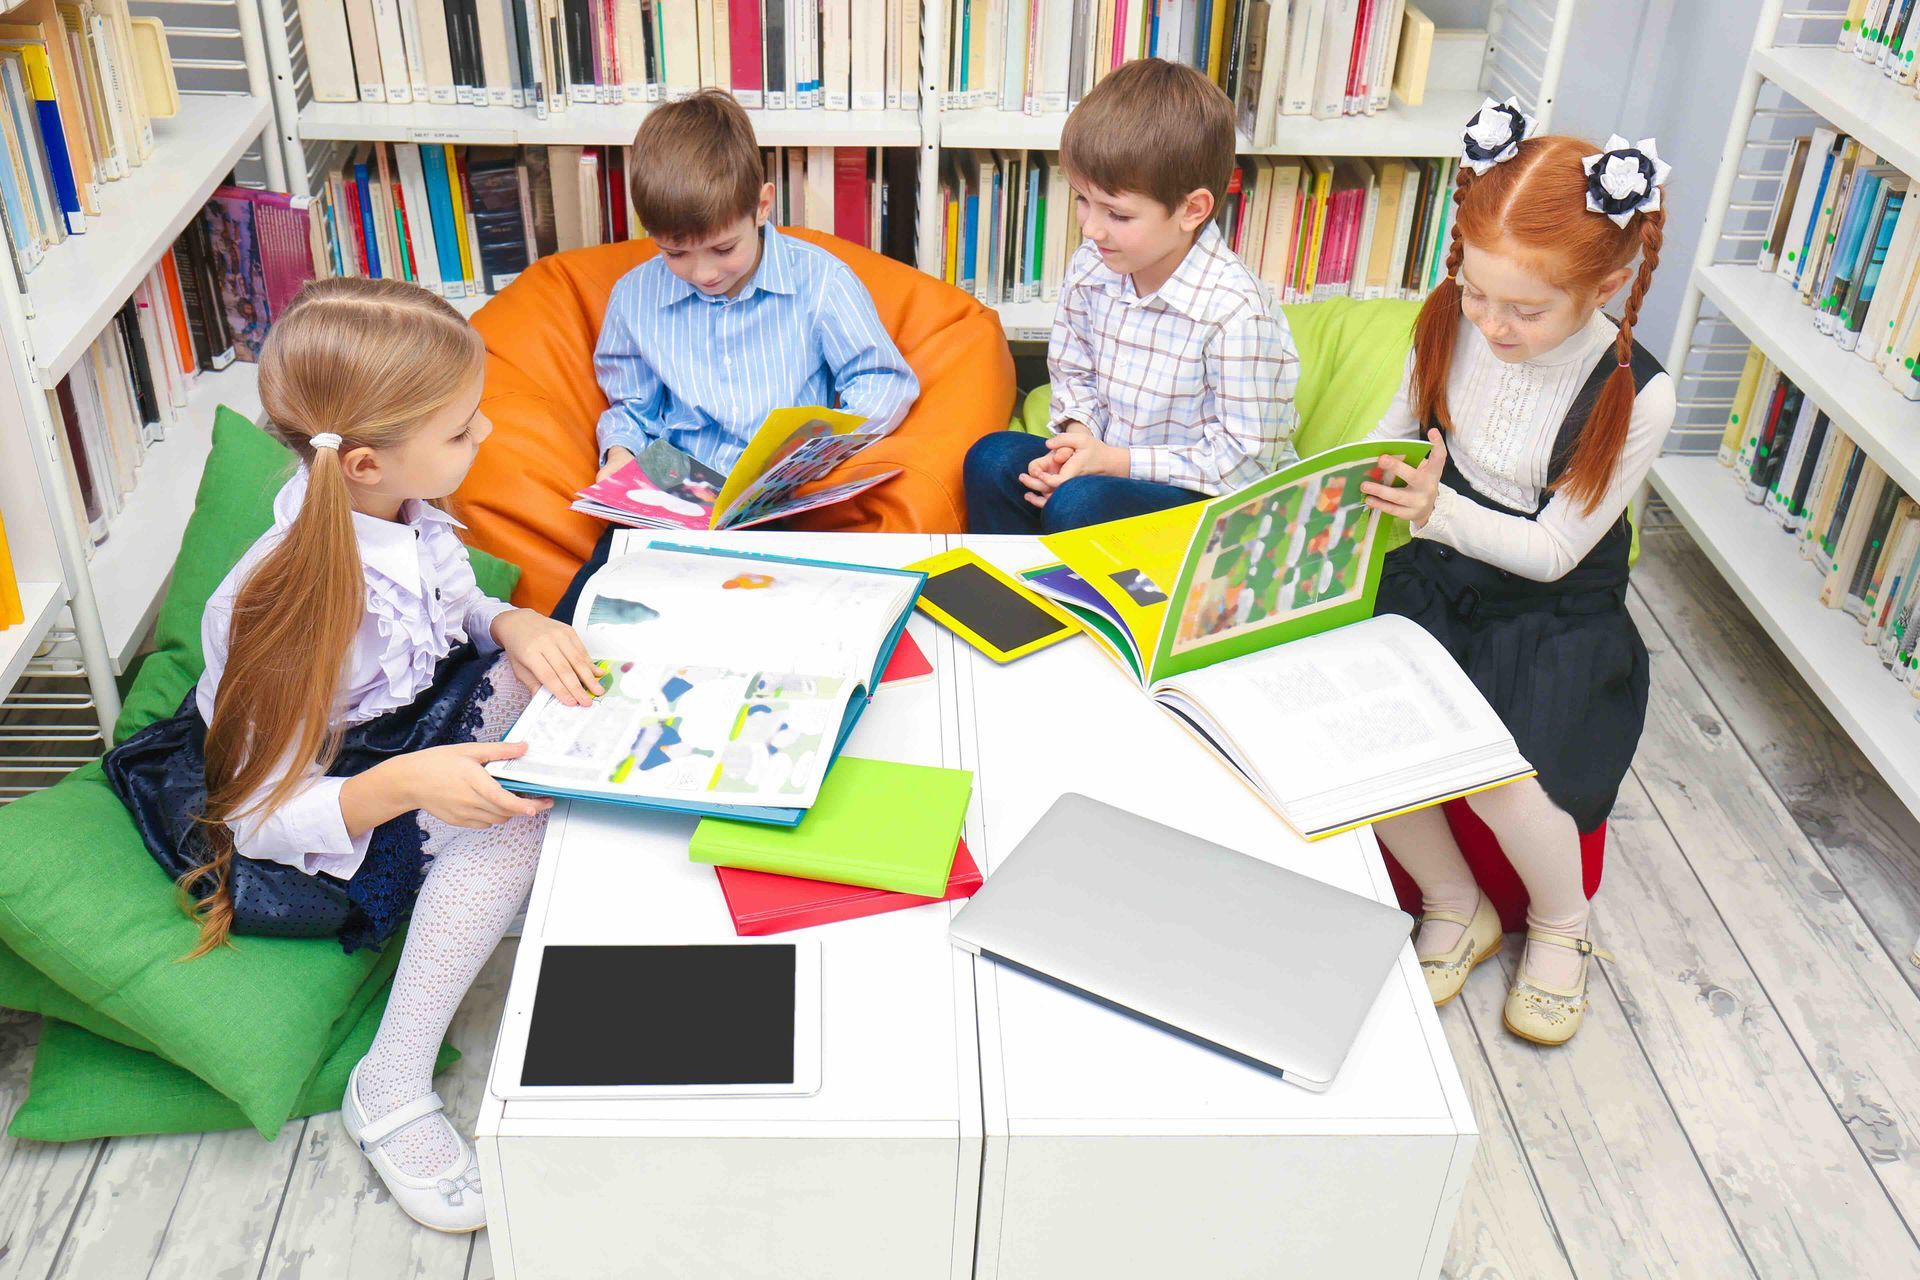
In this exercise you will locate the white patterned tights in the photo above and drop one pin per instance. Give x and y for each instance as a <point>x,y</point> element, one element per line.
<point>474,886</point>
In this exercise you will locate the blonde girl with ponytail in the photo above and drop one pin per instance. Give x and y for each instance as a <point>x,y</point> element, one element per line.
<point>1544,416</point>
<point>327,776</point>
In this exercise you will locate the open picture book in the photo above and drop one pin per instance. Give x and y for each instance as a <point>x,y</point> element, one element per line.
<point>1250,617</point>
<point>667,488</point>
<point>729,682</point>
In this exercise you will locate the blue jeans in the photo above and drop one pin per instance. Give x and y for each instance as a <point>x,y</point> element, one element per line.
<point>997,501</point>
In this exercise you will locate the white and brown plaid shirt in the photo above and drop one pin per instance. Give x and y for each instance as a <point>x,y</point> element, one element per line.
<point>1195,380</point>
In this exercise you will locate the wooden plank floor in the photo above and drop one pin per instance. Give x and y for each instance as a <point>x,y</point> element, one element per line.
<point>1744,1100</point>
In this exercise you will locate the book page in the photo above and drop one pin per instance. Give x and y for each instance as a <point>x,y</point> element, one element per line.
<point>791,448</point>
<point>662,488</point>
<point>1131,564</point>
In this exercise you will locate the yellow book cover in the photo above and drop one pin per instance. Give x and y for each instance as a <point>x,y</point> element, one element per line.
<point>1742,402</point>
<point>456,188</point>
<point>1322,186</point>
<point>1216,49</point>
<point>11,612</point>
<point>953,241</point>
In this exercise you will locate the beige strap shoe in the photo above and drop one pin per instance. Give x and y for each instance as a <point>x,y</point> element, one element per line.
<point>1447,973</point>
<point>1543,1014</point>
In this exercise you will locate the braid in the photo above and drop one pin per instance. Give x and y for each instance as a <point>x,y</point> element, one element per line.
<point>1589,471</point>
<point>1439,321</point>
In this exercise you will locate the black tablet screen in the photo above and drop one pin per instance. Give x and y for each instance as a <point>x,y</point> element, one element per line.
<point>999,615</point>
<point>662,1015</point>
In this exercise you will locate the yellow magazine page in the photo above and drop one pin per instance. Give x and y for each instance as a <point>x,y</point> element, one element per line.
<point>1133,564</point>
<point>785,434</point>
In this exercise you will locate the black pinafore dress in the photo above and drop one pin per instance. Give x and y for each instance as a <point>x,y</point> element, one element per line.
<point>1561,662</point>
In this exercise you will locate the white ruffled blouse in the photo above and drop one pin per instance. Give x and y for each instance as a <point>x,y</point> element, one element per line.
<point>422,602</point>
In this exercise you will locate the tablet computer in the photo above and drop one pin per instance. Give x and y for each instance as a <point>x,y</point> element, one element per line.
<point>663,1020</point>
<point>984,606</point>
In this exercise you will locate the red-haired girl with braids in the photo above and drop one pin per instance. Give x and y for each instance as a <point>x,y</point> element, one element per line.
<point>1544,415</point>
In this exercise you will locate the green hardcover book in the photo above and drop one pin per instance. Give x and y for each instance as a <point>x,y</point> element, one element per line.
<point>877,824</point>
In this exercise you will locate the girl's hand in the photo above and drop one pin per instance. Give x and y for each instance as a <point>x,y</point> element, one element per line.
<point>548,655</point>
<point>1413,502</point>
<point>1079,454</point>
<point>453,785</point>
<point>616,459</point>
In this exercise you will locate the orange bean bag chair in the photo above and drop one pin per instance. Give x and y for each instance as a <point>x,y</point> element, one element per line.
<point>544,402</point>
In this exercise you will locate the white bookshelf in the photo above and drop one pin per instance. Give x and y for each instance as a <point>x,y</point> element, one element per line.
<point>83,282</point>
<point>596,125</point>
<point>1762,565</point>
<point>1743,542</point>
<point>1026,321</point>
<point>92,605</point>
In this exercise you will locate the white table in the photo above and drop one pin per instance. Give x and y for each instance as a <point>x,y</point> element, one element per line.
<point>973,1121</point>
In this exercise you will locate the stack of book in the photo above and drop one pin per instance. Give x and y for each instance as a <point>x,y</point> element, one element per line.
<point>1324,58</point>
<point>468,220</point>
<point>544,55</point>
<point>1885,36</point>
<point>1845,234</point>
<point>1841,510</point>
<point>1311,228</point>
<point>78,83</point>
<point>12,614</point>
<point>126,392</point>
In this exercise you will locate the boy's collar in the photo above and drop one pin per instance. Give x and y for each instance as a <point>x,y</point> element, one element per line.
<point>1181,291</point>
<point>773,275</point>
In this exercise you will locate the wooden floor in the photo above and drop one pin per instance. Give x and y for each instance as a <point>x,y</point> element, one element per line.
<point>1744,1099</point>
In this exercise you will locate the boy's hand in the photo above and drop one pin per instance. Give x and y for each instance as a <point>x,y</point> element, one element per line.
<point>1413,502</point>
<point>548,655</point>
<point>1078,454</point>
<point>616,459</point>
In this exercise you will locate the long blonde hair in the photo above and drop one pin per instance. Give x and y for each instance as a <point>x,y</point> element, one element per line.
<point>368,360</point>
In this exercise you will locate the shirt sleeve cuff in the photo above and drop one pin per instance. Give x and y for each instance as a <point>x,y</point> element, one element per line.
<point>309,832</point>
<point>617,431</point>
<point>1152,463</point>
<point>480,623</point>
<point>1441,516</point>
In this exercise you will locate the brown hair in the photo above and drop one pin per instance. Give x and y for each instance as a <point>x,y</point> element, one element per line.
<point>1152,127</point>
<point>1537,202</point>
<point>368,360</point>
<point>696,167</point>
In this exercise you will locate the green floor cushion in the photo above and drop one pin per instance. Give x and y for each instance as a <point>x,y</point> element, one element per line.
<point>24,987</point>
<point>87,1086</point>
<point>252,1020</point>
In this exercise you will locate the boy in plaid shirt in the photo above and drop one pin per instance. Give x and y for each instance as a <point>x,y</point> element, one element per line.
<point>1172,376</point>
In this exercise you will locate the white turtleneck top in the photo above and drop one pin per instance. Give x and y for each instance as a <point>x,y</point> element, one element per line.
<point>1506,417</point>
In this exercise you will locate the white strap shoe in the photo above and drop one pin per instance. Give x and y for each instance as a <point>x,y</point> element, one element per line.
<point>449,1201</point>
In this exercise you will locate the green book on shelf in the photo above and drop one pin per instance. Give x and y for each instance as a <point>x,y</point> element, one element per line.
<point>877,824</point>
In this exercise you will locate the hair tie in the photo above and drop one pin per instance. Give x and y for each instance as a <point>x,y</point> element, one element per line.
<point>323,440</point>
<point>1625,179</point>
<point>1495,134</point>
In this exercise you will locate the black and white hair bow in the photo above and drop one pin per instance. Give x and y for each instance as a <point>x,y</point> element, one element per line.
<point>1625,179</point>
<point>1495,134</point>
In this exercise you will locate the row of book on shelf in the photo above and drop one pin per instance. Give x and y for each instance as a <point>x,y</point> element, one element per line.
<point>544,55</point>
<point>1844,232</point>
<point>1320,58</point>
<point>81,82</point>
<point>1311,228</point>
<point>1884,35</point>
<point>1842,511</point>
<point>468,220</point>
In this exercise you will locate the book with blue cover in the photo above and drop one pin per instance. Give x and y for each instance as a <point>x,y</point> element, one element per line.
<point>729,682</point>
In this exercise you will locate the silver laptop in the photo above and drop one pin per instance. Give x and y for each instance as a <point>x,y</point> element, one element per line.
<point>1250,959</point>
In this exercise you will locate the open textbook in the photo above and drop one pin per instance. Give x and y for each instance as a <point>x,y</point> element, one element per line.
<point>729,680</point>
<point>1249,617</point>
<point>666,488</point>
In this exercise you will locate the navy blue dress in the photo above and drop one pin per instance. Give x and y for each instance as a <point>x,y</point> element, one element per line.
<point>160,774</point>
<point>1561,662</point>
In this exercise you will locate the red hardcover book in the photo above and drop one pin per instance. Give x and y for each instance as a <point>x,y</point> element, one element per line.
<point>743,50</point>
<point>850,194</point>
<point>761,903</point>
<point>908,665</point>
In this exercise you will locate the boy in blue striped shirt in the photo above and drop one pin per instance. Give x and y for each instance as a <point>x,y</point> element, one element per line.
<point>731,320</point>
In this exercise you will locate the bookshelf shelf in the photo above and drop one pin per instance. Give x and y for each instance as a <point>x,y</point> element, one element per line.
<point>1430,129</point>
<point>84,281</point>
<point>1026,321</point>
<point>40,602</point>
<point>130,568</point>
<point>586,125</point>
<point>1882,113</point>
<point>1782,590</point>
<point>1874,415</point>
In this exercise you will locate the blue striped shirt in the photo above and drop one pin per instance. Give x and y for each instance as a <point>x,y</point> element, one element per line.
<point>704,372</point>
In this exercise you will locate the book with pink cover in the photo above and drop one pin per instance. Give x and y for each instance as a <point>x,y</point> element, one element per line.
<point>666,488</point>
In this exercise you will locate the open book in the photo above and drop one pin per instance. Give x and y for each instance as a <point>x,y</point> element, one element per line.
<point>730,681</point>
<point>666,488</point>
<point>1250,618</point>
